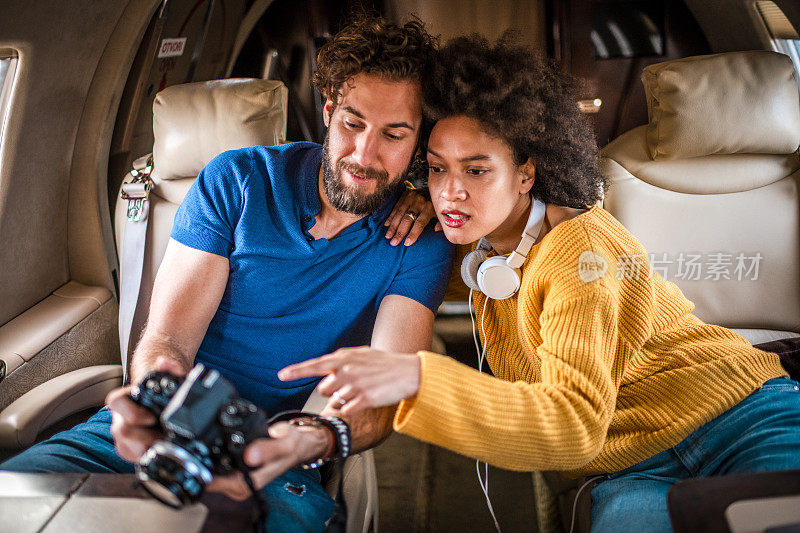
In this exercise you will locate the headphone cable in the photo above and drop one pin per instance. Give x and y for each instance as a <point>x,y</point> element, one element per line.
<point>482,482</point>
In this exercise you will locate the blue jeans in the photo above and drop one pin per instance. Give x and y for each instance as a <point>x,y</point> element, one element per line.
<point>761,433</point>
<point>89,447</point>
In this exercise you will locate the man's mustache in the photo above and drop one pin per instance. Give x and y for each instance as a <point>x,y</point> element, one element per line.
<point>366,172</point>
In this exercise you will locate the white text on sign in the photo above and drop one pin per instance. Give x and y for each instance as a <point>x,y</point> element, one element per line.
<point>172,47</point>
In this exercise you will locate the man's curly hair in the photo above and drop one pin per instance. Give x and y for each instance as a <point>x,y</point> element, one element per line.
<point>527,103</point>
<point>374,46</point>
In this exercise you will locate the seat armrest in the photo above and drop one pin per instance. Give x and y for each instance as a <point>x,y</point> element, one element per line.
<point>764,514</point>
<point>360,491</point>
<point>315,403</point>
<point>53,400</point>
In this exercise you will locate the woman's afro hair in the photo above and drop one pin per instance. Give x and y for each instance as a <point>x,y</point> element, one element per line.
<point>524,101</point>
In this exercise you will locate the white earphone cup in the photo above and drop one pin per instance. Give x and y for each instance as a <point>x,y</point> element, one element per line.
<point>469,267</point>
<point>496,279</point>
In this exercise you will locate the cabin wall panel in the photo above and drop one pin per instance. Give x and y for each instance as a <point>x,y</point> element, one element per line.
<point>616,81</point>
<point>59,44</point>
<point>727,24</point>
<point>452,18</point>
<point>133,132</point>
<point>92,254</point>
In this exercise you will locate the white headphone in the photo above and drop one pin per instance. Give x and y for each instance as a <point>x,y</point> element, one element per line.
<point>498,277</point>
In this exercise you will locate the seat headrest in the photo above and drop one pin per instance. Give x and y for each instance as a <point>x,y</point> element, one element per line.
<point>194,122</point>
<point>737,102</point>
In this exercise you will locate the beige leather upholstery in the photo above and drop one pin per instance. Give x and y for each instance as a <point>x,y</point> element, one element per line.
<point>739,102</point>
<point>30,335</point>
<point>193,123</point>
<point>774,513</point>
<point>726,208</point>
<point>39,326</point>
<point>51,401</point>
<point>757,336</point>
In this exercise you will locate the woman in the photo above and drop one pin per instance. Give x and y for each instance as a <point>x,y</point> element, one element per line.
<point>596,373</point>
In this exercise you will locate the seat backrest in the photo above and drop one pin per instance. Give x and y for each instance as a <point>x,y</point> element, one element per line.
<point>710,186</point>
<point>192,124</point>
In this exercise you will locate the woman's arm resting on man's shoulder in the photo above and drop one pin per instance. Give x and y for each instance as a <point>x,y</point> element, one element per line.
<point>402,226</point>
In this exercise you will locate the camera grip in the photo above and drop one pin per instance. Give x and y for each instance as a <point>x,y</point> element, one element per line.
<point>155,391</point>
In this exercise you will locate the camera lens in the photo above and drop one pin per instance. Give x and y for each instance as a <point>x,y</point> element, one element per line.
<point>172,475</point>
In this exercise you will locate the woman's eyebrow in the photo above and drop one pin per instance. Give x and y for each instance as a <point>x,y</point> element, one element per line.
<point>476,157</point>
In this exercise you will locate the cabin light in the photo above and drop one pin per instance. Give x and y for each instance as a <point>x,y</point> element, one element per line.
<point>590,106</point>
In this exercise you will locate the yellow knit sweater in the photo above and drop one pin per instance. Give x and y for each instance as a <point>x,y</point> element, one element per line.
<point>599,368</point>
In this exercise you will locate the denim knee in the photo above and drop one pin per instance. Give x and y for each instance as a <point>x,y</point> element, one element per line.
<point>298,502</point>
<point>631,502</point>
<point>86,448</point>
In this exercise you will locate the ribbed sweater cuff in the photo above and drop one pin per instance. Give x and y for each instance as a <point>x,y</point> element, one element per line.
<point>418,415</point>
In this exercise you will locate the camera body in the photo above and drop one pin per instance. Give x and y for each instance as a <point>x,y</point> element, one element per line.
<point>206,428</point>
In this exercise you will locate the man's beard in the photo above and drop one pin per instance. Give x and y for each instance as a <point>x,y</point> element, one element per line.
<point>350,199</point>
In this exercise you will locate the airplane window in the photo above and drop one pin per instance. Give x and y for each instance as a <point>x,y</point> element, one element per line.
<point>783,35</point>
<point>8,63</point>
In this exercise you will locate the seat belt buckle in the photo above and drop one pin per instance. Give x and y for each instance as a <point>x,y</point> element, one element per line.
<point>137,191</point>
<point>136,209</point>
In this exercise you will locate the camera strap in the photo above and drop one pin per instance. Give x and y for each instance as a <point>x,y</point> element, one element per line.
<point>262,505</point>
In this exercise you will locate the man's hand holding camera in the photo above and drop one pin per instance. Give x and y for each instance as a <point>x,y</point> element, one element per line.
<point>136,429</point>
<point>133,426</point>
<point>288,446</point>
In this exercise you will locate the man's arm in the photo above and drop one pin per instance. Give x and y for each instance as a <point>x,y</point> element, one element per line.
<point>187,291</point>
<point>402,325</point>
<point>186,294</point>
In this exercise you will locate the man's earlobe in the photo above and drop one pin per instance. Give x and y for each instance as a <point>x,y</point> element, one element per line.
<point>326,113</point>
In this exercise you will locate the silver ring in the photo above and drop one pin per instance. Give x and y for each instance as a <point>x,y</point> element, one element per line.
<point>338,398</point>
<point>412,215</point>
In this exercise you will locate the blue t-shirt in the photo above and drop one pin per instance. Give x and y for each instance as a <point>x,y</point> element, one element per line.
<point>290,297</point>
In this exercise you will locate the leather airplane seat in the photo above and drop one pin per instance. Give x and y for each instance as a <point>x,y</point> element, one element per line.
<point>710,187</point>
<point>192,123</point>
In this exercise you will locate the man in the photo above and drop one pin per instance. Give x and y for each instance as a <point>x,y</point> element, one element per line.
<point>277,255</point>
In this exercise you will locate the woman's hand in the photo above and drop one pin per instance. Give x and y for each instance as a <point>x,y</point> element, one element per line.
<point>361,378</point>
<point>402,225</point>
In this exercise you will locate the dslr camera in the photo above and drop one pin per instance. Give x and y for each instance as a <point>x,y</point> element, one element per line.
<point>206,428</point>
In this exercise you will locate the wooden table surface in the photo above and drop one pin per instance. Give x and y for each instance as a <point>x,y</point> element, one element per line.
<point>32,502</point>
